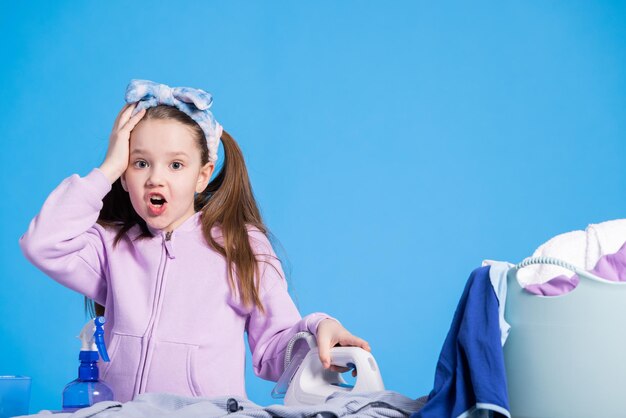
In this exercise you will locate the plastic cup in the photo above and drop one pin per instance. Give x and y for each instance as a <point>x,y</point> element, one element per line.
<point>14,395</point>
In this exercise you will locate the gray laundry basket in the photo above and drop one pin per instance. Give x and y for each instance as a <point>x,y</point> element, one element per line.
<point>565,355</point>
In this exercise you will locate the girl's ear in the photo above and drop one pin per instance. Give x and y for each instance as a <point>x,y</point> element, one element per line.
<point>204,176</point>
<point>123,181</point>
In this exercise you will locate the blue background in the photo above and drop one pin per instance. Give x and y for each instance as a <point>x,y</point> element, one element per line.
<point>392,147</point>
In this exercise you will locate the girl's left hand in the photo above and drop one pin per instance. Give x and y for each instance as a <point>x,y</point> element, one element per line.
<point>331,333</point>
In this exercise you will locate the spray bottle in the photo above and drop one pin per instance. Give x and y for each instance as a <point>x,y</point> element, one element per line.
<point>87,389</point>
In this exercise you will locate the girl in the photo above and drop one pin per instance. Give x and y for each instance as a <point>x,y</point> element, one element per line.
<point>181,266</point>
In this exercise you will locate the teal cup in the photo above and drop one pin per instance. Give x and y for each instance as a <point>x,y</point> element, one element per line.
<point>14,395</point>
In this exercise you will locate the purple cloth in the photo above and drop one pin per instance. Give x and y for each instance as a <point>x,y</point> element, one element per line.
<point>609,267</point>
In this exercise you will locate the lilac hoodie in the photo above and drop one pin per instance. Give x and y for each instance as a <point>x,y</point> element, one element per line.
<point>173,325</point>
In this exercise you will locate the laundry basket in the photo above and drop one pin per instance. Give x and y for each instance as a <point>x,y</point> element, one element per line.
<point>565,355</point>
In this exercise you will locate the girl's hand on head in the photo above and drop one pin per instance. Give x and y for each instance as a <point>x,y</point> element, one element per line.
<point>116,160</point>
<point>331,333</point>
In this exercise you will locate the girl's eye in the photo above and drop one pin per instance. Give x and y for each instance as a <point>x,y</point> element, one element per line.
<point>176,165</point>
<point>140,164</point>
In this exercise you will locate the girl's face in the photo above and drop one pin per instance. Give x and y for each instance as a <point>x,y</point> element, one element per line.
<point>164,171</point>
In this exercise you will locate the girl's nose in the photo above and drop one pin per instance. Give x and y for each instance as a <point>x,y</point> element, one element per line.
<point>155,178</point>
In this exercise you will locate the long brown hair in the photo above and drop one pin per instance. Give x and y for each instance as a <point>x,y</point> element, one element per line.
<point>227,202</point>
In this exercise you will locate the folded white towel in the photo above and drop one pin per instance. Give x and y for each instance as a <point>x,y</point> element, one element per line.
<point>604,238</point>
<point>581,248</point>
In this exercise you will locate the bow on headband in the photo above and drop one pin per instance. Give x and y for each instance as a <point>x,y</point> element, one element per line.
<point>193,102</point>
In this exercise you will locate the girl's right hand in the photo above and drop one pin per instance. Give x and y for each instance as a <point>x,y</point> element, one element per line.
<point>116,160</point>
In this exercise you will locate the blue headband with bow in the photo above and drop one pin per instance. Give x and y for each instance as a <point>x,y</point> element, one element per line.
<point>193,102</point>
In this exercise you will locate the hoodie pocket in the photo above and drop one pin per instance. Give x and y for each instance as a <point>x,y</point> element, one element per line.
<point>121,372</point>
<point>171,369</point>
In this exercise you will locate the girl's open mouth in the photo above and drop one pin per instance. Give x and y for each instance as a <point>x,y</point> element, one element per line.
<point>156,204</point>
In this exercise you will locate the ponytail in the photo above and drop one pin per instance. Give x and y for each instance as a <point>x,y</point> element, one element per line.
<point>228,201</point>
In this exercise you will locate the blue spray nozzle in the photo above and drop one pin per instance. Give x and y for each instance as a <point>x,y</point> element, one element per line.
<point>99,337</point>
<point>92,337</point>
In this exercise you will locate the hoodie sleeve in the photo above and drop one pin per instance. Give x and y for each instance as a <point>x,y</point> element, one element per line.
<point>270,332</point>
<point>65,242</point>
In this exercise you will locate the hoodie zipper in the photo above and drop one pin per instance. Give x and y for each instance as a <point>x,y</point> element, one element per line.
<point>155,311</point>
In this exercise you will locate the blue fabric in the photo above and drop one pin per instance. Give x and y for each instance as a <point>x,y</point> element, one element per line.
<point>470,376</point>
<point>193,102</point>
